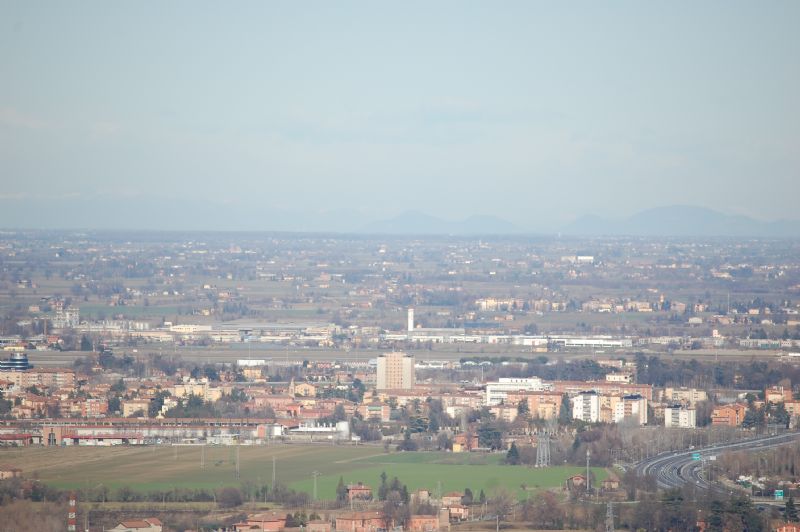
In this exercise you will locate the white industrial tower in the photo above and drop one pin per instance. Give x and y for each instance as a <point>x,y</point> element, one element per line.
<point>410,320</point>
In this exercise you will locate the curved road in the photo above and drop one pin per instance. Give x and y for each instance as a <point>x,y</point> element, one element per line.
<point>674,469</point>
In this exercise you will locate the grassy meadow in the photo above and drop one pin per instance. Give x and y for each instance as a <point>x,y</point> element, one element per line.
<point>157,468</point>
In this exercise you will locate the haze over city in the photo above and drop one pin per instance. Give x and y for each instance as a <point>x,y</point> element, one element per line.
<point>288,117</point>
<point>399,266</point>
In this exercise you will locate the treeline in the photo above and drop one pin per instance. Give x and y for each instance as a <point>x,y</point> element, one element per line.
<point>753,375</point>
<point>225,497</point>
<point>540,366</point>
<point>657,370</point>
<point>779,462</point>
<point>682,510</point>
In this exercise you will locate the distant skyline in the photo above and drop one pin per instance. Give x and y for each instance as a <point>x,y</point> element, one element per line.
<point>266,116</point>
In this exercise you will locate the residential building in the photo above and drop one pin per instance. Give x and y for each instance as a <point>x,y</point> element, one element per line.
<point>731,415</point>
<point>576,482</point>
<point>631,408</point>
<point>199,388</point>
<point>420,496</point>
<point>464,442</point>
<point>507,413</point>
<point>359,491</point>
<point>375,410</point>
<point>541,405</point>
<point>680,417</point>
<point>395,371</point>
<point>610,484</point>
<point>94,407</point>
<point>777,394</point>
<point>266,521</point>
<point>497,392</point>
<point>149,524</point>
<point>458,512</point>
<point>304,389</point>
<point>687,396</point>
<point>454,497</point>
<point>604,388</point>
<point>132,406</point>
<point>360,522</point>
<point>586,407</point>
<point>40,377</point>
<point>423,523</point>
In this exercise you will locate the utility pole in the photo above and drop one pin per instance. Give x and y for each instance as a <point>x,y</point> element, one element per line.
<point>202,457</point>
<point>588,480</point>
<point>237,462</point>
<point>273,472</point>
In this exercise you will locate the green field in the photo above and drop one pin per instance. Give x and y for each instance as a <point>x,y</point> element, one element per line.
<point>157,468</point>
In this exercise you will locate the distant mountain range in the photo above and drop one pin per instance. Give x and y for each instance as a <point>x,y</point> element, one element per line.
<point>683,220</point>
<point>419,223</point>
<point>678,220</point>
<point>181,214</point>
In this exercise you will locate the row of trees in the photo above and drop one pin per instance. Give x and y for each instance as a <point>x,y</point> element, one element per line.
<point>656,370</point>
<point>225,497</point>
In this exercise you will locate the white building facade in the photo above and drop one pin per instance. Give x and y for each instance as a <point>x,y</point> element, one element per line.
<point>680,417</point>
<point>497,392</point>
<point>586,407</point>
<point>631,408</point>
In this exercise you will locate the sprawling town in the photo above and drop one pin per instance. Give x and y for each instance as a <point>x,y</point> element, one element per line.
<point>230,382</point>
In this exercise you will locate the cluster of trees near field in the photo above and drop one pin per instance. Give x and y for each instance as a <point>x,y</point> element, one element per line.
<point>678,509</point>
<point>769,464</point>
<point>657,370</point>
<point>669,510</point>
<point>226,497</point>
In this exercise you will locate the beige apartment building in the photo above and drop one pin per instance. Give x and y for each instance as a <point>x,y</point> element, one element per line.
<point>687,396</point>
<point>395,371</point>
<point>39,377</point>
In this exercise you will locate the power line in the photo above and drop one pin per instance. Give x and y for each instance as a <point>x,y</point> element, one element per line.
<point>315,474</point>
<point>609,517</point>
<point>237,462</point>
<point>543,449</point>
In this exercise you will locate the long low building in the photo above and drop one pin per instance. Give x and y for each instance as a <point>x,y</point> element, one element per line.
<point>591,341</point>
<point>497,392</point>
<point>40,377</point>
<point>604,388</point>
<point>128,431</point>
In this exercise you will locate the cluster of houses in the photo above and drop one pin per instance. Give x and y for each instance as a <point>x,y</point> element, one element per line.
<point>103,408</point>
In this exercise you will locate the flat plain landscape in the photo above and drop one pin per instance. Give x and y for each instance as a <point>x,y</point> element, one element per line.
<point>162,468</point>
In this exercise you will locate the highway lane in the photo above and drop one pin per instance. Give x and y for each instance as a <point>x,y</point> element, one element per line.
<point>675,469</point>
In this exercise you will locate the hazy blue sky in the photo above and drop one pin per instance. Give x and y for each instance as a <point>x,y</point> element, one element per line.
<point>535,112</point>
